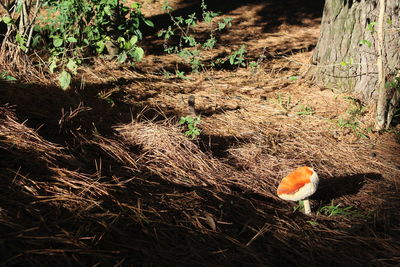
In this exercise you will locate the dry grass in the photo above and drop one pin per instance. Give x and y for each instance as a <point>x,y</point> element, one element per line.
<point>155,198</point>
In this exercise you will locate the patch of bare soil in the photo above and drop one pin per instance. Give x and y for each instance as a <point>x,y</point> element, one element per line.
<point>103,175</point>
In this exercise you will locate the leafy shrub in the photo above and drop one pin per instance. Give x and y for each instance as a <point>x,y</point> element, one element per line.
<point>180,39</point>
<point>72,30</point>
<point>80,28</point>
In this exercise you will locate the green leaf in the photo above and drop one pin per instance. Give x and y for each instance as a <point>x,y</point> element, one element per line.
<point>210,43</point>
<point>36,39</point>
<point>366,42</point>
<point>121,40</point>
<point>21,42</point>
<point>161,33</point>
<point>226,22</point>
<point>343,63</point>
<point>53,64</point>
<point>189,120</point>
<point>313,223</point>
<point>136,5</point>
<point>107,10</point>
<point>191,20</point>
<point>190,40</point>
<point>232,60</point>
<point>148,22</point>
<point>209,15</point>
<point>133,40</point>
<point>7,20</point>
<point>5,76</point>
<point>57,42</point>
<point>100,45</point>
<point>179,20</point>
<point>254,64</point>
<point>72,66</point>
<point>351,61</point>
<point>72,40</point>
<point>122,57</point>
<point>293,78</point>
<point>139,53</point>
<point>19,39</point>
<point>371,26</point>
<point>166,6</point>
<point>19,6</point>
<point>65,79</point>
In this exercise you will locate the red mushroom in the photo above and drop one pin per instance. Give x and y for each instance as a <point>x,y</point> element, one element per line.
<point>299,185</point>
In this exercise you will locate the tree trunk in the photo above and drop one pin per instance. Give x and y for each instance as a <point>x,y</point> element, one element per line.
<point>348,50</point>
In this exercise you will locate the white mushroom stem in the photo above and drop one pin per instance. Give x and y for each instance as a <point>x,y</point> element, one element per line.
<point>307,208</point>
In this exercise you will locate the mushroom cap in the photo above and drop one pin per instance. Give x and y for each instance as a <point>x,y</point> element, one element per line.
<point>299,184</point>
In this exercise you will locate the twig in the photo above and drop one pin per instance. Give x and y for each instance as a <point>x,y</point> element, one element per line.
<point>37,7</point>
<point>264,229</point>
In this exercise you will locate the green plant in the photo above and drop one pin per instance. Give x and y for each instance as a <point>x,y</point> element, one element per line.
<point>286,104</point>
<point>19,18</point>
<point>293,78</point>
<point>181,74</point>
<point>335,210</point>
<point>299,206</point>
<point>371,26</point>
<point>305,110</point>
<point>180,39</point>
<point>366,42</point>
<point>5,76</point>
<point>338,210</point>
<point>313,223</point>
<point>254,65</point>
<point>351,121</point>
<point>167,74</point>
<point>72,30</point>
<point>80,28</point>
<point>354,125</point>
<point>237,57</point>
<point>347,123</point>
<point>20,21</point>
<point>394,83</point>
<point>345,63</point>
<point>191,122</point>
<point>356,106</point>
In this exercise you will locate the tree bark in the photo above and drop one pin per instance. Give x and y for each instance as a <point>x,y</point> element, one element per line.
<point>347,51</point>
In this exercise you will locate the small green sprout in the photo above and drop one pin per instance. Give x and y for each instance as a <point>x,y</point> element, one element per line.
<point>305,110</point>
<point>191,122</point>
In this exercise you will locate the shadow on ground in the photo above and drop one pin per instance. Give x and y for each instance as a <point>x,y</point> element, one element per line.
<point>273,14</point>
<point>336,187</point>
<point>103,211</point>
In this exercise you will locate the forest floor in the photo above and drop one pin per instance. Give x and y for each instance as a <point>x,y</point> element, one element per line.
<point>102,174</point>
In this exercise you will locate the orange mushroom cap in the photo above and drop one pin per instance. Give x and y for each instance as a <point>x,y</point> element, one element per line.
<point>299,184</point>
